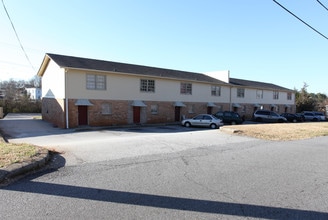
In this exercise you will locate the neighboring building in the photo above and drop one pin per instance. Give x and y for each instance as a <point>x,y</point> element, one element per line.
<point>34,93</point>
<point>80,91</point>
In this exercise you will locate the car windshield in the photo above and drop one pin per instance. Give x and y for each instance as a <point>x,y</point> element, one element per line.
<point>236,115</point>
<point>214,117</point>
<point>274,114</point>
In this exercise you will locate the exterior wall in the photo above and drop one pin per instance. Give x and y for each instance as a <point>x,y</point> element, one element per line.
<point>53,82</point>
<point>122,89</point>
<point>121,112</point>
<point>53,111</point>
<point>127,87</point>
<point>249,103</point>
<point>250,97</point>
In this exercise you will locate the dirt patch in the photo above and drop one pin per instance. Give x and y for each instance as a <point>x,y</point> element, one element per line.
<point>281,131</point>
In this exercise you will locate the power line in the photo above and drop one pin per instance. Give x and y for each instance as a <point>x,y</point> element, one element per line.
<point>300,19</point>
<point>20,43</point>
<point>322,5</point>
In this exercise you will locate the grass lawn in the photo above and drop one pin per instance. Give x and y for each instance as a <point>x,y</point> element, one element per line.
<point>16,153</point>
<point>283,131</point>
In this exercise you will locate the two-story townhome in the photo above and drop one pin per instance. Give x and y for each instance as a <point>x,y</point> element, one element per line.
<point>79,91</point>
<point>248,96</point>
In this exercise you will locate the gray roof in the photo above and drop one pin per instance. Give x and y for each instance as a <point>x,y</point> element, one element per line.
<point>108,66</point>
<point>255,84</point>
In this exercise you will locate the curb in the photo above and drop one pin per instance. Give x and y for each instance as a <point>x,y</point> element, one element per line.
<point>18,169</point>
<point>229,130</point>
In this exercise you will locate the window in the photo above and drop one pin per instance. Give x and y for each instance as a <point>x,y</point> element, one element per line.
<point>186,88</point>
<point>106,109</point>
<point>259,94</point>
<point>96,82</point>
<point>154,109</point>
<point>147,85</point>
<point>216,90</point>
<point>275,95</point>
<point>240,92</point>
<point>191,109</point>
<point>289,96</point>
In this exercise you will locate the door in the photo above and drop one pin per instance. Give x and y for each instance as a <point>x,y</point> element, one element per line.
<point>177,113</point>
<point>83,114</point>
<point>136,114</point>
<point>209,110</point>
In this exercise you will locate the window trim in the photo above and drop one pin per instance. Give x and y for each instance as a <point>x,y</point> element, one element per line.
<point>96,83</point>
<point>147,87</point>
<point>215,90</point>
<point>240,94</point>
<point>185,88</point>
<point>259,94</point>
<point>275,94</point>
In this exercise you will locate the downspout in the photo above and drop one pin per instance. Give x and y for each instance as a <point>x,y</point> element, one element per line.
<point>230,99</point>
<point>66,101</point>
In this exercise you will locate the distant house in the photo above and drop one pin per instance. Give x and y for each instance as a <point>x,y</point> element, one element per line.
<point>34,93</point>
<point>79,91</point>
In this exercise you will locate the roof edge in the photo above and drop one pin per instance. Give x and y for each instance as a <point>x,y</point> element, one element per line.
<point>43,66</point>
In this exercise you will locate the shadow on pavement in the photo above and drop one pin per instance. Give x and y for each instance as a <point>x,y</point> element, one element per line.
<point>167,202</point>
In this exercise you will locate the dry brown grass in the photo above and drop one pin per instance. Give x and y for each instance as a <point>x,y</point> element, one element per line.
<point>16,153</point>
<point>283,131</point>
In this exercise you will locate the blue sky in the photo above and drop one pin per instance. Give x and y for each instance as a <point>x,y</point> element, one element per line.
<point>254,39</point>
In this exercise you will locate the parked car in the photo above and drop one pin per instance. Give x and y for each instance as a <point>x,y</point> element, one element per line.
<point>321,115</point>
<point>267,116</point>
<point>311,116</point>
<point>301,116</point>
<point>229,117</point>
<point>203,120</point>
<point>292,117</point>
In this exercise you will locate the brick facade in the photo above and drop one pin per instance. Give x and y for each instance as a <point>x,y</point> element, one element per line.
<point>120,112</point>
<point>53,111</point>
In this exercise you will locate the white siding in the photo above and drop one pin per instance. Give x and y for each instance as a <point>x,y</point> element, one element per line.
<point>250,97</point>
<point>127,87</point>
<point>53,81</point>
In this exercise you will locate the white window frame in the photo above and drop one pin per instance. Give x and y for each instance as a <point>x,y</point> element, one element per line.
<point>216,90</point>
<point>289,96</point>
<point>147,85</point>
<point>240,92</point>
<point>106,109</point>
<point>185,88</point>
<point>95,82</point>
<point>154,109</point>
<point>276,95</point>
<point>259,94</point>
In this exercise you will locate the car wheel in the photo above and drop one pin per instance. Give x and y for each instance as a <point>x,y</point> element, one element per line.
<point>187,124</point>
<point>315,119</point>
<point>233,123</point>
<point>258,119</point>
<point>213,126</point>
<point>294,120</point>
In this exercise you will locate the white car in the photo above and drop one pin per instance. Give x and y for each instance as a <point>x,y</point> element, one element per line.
<point>203,120</point>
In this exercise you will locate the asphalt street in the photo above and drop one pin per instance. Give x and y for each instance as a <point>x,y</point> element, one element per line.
<point>167,172</point>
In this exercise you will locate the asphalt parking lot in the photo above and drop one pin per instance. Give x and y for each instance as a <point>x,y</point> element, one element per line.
<point>91,145</point>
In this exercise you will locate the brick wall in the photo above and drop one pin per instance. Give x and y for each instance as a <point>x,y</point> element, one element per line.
<point>120,112</point>
<point>53,111</point>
